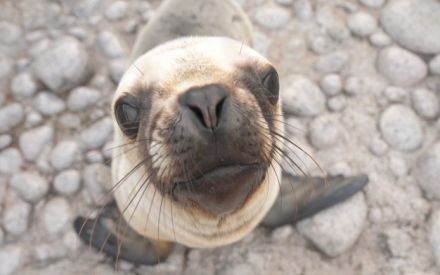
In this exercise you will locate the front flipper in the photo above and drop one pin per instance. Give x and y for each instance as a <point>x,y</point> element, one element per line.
<point>303,197</point>
<point>108,232</point>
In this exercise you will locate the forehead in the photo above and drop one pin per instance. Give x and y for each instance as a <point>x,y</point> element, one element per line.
<point>190,62</point>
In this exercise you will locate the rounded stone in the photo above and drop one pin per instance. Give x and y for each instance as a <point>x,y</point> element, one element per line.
<point>16,217</point>
<point>98,134</point>
<point>23,85</point>
<point>33,142</point>
<point>380,39</point>
<point>361,23</point>
<point>10,259</point>
<point>425,103</point>
<point>401,67</point>
<point>56,215</point>
<point>434,236</point>
<point>355,85</point>
<point>97,178</point>
<point>110,45</point>
<point>325,132</point>
<point>413,24</point>
<point>401,128</point>
<point>9,33</point>
<point>302,97</point>
<point>332,62</point>
<point>67,182</point>
<point>373,3</point>
<point>31,186</point>
<point>64,154</point>
<point>10,161</point>
<point>272,17</point>
<point>434,65</point>
<point>10,116</point>
<point>331,84</point>
<point>49,104</point>
<point>117,10</point>
<point>378,146</point>
<point>395,94</point>
<point>82,98</point>
<point>427,172</point>
<point>5,141</point>
<point>337,103</point>
<point>336,229</point>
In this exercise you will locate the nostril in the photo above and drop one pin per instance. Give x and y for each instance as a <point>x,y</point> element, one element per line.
<point>199,114</point>
<point>219,108</point>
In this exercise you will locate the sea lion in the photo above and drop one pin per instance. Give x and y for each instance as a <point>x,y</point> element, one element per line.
<point>200,139</point>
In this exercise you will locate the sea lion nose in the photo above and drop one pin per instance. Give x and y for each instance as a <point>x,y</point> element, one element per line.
<point>206,104</point>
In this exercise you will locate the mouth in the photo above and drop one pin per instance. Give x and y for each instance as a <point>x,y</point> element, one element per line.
<point>220,190</point>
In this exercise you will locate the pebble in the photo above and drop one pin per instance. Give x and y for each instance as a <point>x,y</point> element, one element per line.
<point>10,259</point>
<point>23,85</point>
<point>64,154</point>
<point>94,156</point>
<point>380,39</point>
<point>321,44</point>
<point>425,103</point>
<point>378,146</point>
<point>97,177</point>
<point>325,132</point>
<point>401,128</point>
<point>5,67</point>
<point>118,68</point>
<point>331,84</point>
<point>337,103</point>
<point>9,33</point>
<point>434,236</point>
<point>336,229</point>
<point>355,85</point>
<point>302,97</point>
<point>10,116</point>
<point>373,3</point>
<point>98,134</point>
<point>10,161</point>
<point>427,172</point>
<point>401,67</point>
<point>2,237</point>
<point>81,98</point>
<point>332,63</point>
<point>65,65</point>
<point>398,166</point>
<point>272,17</point>
<point>56,215</point>
<point>303,9</point>
<point>361,23</point>
<point>5,141</point>
<point>49,104</point>
<point>16,217</point>
<point>33,119</point>
<point>67,182</point>
<point>117,10</point>
<point>110,45</point>
<point>396,94</point>
<point>34,141</point>
<point>71,121</point>
<point>434,65</point>
<point>31,186</point>
<point>413,24</point>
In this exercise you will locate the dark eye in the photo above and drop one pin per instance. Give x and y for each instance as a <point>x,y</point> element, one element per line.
<point>271,83</point>
<point>127,115</point>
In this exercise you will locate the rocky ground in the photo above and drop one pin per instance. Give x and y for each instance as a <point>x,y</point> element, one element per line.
<point>361,87</point>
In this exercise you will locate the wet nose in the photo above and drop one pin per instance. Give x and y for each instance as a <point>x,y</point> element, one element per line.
<point>206,104</point>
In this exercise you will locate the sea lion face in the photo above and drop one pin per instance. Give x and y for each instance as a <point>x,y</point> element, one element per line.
<point>203,114</point>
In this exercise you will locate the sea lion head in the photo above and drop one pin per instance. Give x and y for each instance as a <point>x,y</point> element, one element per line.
<point>198,121</point>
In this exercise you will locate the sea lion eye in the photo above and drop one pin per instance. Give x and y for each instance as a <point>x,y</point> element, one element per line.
<point>127,115</point>
<point>271,84</point>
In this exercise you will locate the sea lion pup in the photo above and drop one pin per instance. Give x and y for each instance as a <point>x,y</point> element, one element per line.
<point>199,137</point>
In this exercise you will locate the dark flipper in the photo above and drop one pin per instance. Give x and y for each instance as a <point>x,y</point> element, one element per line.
<point>303,197</point>
<point>109,233</point>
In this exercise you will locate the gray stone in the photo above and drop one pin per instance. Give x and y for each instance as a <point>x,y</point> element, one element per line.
<point>49,104</point>
<point>2,237</point>
<point>396,94</point>
<point>5,67</point>
<point>272,17</point>
<point>70,121</point>
<point>434,65</point>
<point>302,97</point>
<point>303,9</point>
<point>33,119</point>
<point>98,134</point>
<point>94,156</point>
<point>262,43</point>
<point>400,66</point>
<point>81,98</point>
<point>23,85</point>
<point>427,172</point>
<point>5,141</point>
<point>413,24</point>
<point>9,33</point>
<point>380,39</point>
<point>31,186</point>
<point>398,166</point>
<point>336,229</point>
<point>331,84</point>
<point>97,179</point>
<point>10,116</point>
<point>110,45</point>
<point>64,154</point>
<point>116,10</point>
<point>67,182</point>
<point>10,161</point>
<point>361,23</point>
<point>434,236</point>
<point>332,63</point>
<point>34,141</point>
<point>373,3</point>
<point>401,128</point>
<point>337,103</point>
<point>56,215</point>
<point>118,68</point>
<point>65,65</point>
<point>378,146</point>
<point>356,85</point>
<point>425,103</point>
<point>325,132</point>
<point>16,217</point>
<point>10,259</point>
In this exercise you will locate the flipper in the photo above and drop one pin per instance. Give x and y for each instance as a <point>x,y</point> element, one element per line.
<point>108,232</point>
<point>302,197</point>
